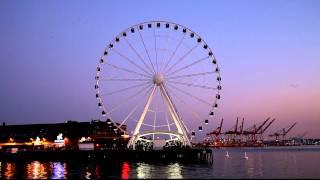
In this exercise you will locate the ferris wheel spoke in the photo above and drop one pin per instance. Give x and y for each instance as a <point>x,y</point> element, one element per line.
<point>183,102</point>
<point>128,99</point>
<point>168,125</point>
<point>192,85</point>
<point>131,61</point>
<point>129,115</point>
<point>196,114</point>
<point>191,75</point>
<point>139,56</point>
<point>135,108</point>
<point>182,57</point>
<point>126,70</point>
<point>167,37</point>
<point>188,66</point>
<point>125,89</point>
<point>154,123</point>
<point>155,46</point>
<point>185,126</point>
<point>184,92</point>
<point>123,79</point>
<point>166,114</point>
<point>176,110</point>
<point>174,52</point>
<point>156,108</point>
<point>147,52</point>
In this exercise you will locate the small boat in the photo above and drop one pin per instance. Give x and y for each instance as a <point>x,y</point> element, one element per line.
<point>245,156</point>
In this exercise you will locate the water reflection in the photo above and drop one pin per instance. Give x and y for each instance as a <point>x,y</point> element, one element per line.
<point>174,171</point>
<point>59,170</point>
<point>36,170</point>
<point>294,157</point>
<point>9,170</point>
<point>143,171</point>
<point>249,165</point>
<point>98,171</point>
<point>88,171</point>
<point>262,163</point>
<point>88,175</point>
<point>253,165</point>
<point>171,171</point>
<point>125,170</point>
<point>259,165</point>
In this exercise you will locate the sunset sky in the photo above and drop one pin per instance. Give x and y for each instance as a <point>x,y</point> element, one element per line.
<point>268,53</point>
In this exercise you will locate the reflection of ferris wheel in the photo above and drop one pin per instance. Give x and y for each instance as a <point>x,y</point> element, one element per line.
<point>161,79</point>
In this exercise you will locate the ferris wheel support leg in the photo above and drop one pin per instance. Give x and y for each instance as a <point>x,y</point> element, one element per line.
<point>175,116</point>
<point>141,119</point>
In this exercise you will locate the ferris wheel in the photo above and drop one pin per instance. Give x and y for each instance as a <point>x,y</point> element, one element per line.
<point>161,80</point>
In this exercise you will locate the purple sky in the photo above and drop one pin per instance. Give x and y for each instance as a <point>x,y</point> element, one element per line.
<point>268,52</point>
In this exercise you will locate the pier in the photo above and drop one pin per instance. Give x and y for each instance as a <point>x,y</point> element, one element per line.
<point>180,155</point>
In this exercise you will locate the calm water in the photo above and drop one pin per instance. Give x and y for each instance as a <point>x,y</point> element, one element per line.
<point>273,162</point>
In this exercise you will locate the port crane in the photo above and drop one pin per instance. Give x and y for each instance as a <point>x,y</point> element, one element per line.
<point>262,130</point>
<point>282,132</point>
<point>231,134</point>
<point>240,132</point>
<point>256,132</point>
<point>251,132</point>
<point>216,133</point>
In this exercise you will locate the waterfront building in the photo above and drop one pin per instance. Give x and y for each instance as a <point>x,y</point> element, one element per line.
<point>68,135</point>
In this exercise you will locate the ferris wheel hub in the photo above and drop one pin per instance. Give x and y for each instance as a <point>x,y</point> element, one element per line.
<point>158,79</point>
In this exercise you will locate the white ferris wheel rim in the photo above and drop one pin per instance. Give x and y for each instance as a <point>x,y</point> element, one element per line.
<point>157,78</point>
